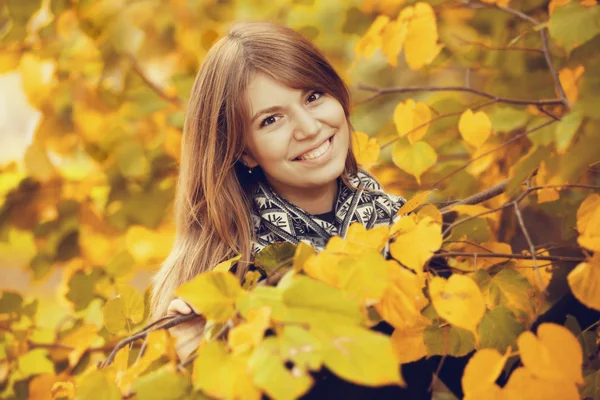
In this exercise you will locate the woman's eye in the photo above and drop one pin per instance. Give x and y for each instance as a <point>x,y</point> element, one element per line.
<point>269,118</point>
<point>320,94</point>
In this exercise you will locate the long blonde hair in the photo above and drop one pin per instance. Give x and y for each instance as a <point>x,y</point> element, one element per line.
<point>212,209</point>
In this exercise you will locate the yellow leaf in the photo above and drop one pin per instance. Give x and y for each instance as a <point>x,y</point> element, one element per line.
<point>556,3</point>
<point>145,244</point>
<point>415,159</point>
<point>569,79</point>
<point>133,303</point>
<point>475,128</point>
<point>347,350</point>
<point>226,265</point>
<point>40,19</point>
<point>403,298</point>
<point>458,300</point>
<point>414,202</point>
<point>412,119</point>
<point>223,375</point>
<point>303,252</point>
<point>503,3</point>
<point>250,333</point>
<point>324,266</point>
<point>36,78</point>
<point>366,278</point>
<point>483,164</point>
<point>472,263</point>
<point>415,242</point>
<point>408,342</point>
<point>482,371</point>
<point>95,382</point>
<point>541,179</point>
<point>360,239</point>
<point>585,211</point>
<point>430,211</point>
<point>393,39</point>
<point>371,41</point>
<point>366,150</point>
<point>588,222</point>
<point>212,294</point>
<point>584,282</point>
<point>553,355</point>
<point>523,384</point>
<point>80,339</point>
<point>91,124</point>
<point>271,375</point>
<point>420,45</point>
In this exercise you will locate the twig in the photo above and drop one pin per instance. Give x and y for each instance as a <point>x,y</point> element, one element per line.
<point>480,197</point>
<point>529,242</point>
<point>161,93</point>
<point>502,255</point>
<point>382,91</point>
<point>498,47</point>
<point>440,116</point>
<point>175,320</point>
<point>545,48</point>
<point>222,332</point>
<point>508,142</point>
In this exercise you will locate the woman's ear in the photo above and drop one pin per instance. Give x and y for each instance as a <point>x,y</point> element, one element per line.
<point>248,160</point>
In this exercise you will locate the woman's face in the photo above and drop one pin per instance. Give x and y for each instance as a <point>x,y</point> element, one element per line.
<point>299,138</point>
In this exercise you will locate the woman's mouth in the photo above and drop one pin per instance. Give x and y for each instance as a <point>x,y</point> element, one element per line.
<point>317,153</point>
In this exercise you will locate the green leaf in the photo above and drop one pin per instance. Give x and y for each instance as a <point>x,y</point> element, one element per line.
<point>511,289</point>
<point>270,374</point>
<point>567,128</point>
<point>302,347</point>
<point>81,287</point>
<point>263,296</point>
<point>162,384</point>
<point>359,355</point>
<point>506,119</point>
<point>96,385</point>
<point>499,329</point>
<point>591,386</point>
<point>275,254</point>
<point>543,136</point>
<point>573,24</point>
<point>212,294</point>
<point>114,315</point>
<point>132,161</point>
<point>133,303</point>
<point>526,165</point>
<point>314,302</point>
<point>120,265</point>
<point>448,340</point>
<point>10,302</point>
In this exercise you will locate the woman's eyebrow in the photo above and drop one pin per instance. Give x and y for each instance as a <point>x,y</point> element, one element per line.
<point>276,108</point>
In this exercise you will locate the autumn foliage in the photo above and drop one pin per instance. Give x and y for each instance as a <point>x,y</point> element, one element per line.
<point>484,114</point>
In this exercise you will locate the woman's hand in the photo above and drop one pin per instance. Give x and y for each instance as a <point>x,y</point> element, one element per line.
<point>189,334</point>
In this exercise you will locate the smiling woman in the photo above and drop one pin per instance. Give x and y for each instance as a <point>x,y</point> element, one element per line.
<point>266,157</point>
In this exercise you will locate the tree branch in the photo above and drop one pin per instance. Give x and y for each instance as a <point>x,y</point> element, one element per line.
<point>382,91</point>
<point>173,321</point>
<point>500,255</point>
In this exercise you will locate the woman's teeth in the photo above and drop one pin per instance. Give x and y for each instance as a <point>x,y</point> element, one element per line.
<point>316,152</point>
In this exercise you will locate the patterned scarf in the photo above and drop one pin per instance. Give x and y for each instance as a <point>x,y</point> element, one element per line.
<point>276,220</point>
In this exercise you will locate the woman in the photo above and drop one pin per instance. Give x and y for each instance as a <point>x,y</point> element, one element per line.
<point>266,157</point>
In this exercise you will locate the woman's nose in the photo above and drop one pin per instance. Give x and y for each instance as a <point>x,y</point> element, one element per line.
<point>306,125</point>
